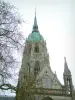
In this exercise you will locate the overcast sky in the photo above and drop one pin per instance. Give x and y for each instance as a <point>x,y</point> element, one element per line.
<point>56,23</point>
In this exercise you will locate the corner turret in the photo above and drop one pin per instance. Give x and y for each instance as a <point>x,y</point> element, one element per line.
<point>66,69</point>
<point>67,78</point>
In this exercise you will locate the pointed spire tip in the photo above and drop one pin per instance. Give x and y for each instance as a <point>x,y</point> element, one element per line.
<point>65,58</point>
<point>35,11</point>
<point>35,26</point>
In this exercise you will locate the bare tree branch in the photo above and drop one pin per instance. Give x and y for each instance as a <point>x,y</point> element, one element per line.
<point>10,41</point>
<point>7,87</point>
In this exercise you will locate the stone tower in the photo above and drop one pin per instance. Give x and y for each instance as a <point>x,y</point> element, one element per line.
<point>67,78</point>
<point>36,72</point>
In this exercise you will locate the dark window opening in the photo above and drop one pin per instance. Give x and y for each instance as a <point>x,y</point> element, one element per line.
<point>36,48</point>
<point>29,48</point>
<point>24,76</point>
<point>36,68</point>
<point>67,79</point>
<point>28,68</point>
<point>46,71</point>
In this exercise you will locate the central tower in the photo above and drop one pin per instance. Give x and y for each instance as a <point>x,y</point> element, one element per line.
<point>36,57</point>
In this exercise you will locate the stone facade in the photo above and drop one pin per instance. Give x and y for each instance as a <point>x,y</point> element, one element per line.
<point>36,65</point>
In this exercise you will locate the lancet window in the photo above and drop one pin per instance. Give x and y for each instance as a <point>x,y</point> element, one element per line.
<point>30,48</point>
<point>36,68</point>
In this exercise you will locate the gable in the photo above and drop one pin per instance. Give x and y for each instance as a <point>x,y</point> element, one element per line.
<point>45,72</point>
<point>49,79</point>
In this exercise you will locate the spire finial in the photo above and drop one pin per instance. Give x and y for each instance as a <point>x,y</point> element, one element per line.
<point>66,69</point>
<point>65,58</point>
<point>35,26</point>
<point>35,11</point>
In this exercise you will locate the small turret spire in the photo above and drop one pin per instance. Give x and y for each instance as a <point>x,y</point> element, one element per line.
<point>35,26</point>
<point>66,69</point>
<point>67,78</point>
<point>65,58</point>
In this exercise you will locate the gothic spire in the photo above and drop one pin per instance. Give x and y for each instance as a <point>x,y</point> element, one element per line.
<point>66,69</point>
<point>35,26</point>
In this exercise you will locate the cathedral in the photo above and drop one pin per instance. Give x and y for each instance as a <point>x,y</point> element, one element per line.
<point>36,72</point>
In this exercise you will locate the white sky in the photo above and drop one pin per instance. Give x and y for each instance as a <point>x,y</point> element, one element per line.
<point>56,23</point>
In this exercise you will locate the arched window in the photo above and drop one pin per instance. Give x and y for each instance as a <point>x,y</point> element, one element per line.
<point>36,68</point>
<point>28,68</point>
<point>30,48</point>
<point>68,80</point>
<point>36,49</point>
